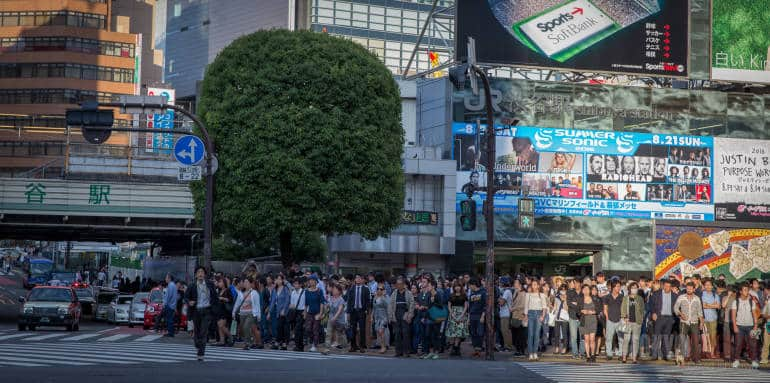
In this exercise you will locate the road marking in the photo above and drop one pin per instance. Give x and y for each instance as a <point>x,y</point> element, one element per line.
<point>20,364</point>
<point>105,350</point>
<point>114,337</point>
<point>80,337</point>
<point>44,337</point>
<point>148,338</point>
<point>48,360</point>
<point>567,372</point>
<point>4,337</point>
<point>109,329</point>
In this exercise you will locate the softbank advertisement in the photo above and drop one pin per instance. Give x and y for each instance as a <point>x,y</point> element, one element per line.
<point>589,172</point>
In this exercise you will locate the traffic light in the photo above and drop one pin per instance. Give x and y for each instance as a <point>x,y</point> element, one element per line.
<point>91,117</point>
<point>468,215</point>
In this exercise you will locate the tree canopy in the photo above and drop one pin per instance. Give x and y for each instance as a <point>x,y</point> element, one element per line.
<point>309,139</point>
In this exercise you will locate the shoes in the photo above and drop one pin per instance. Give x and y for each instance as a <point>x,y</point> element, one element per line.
<point>754,365</point>
<point>353,349</point>
<point>258,347</point>
<point>274,347</point>
<point>609,358</point>
<point>313,349</point>
<point>434,356</point>
<point>362,351</point>
<point>763,361</point>
<point>736,364</point>
<point>295,349</point>
<point>283,348</point>
<point>168,336</point>
<point>200,358</point>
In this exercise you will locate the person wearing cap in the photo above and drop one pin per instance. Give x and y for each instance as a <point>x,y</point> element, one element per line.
<point>200,296</point>
<point>315,305</point>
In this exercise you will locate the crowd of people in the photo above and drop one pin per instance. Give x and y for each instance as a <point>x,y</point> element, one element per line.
<point>681,321</point>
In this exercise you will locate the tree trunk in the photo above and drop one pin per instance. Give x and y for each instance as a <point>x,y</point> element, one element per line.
<point>287,253</point>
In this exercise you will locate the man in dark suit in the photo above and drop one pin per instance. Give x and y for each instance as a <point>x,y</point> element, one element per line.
<point>359,302</point>
<point>662,309</point>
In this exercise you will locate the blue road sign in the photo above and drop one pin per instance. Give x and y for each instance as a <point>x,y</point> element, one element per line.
<point>189,150</point>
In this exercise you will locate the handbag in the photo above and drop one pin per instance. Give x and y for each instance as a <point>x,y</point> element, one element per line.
<point>291,316</point>
<point>624,327</point>
<point>707,348</point>
<point>438,314</point>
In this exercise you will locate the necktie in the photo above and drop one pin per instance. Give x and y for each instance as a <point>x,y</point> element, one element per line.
<point>358,297</point>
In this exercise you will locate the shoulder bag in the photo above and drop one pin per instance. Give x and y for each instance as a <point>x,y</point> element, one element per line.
<point>291,316</point>
<point>624,327</point>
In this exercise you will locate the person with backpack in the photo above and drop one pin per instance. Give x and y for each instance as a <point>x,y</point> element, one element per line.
<point>745,320</point>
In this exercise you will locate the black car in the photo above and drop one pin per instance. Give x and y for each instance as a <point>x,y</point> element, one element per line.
<point>86,297</point>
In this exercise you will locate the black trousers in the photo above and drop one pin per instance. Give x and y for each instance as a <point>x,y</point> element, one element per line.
<point>401,336</point>
<point>201,321</point>
<point>358,329</point>
<point>283,330</point>
<point>299,331</point>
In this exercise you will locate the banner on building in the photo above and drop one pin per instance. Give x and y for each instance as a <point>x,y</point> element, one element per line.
<point>161,121</point>
<point>739,254</point>
<point>572,172</point>
<point>740,42</point>
<point>648,37</point>
<point>742,180</point>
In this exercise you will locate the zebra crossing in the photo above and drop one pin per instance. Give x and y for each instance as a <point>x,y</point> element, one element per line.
<point>4,273</point>
<point>620,373</point>
<point>51,354</point>
<point>27,336</point>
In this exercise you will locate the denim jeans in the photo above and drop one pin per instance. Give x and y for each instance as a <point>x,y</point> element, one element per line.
<point>576,344</point>
<point>168,315</point>
<point>612,329</point>
<point>476,329</point>
<point>534,325</point>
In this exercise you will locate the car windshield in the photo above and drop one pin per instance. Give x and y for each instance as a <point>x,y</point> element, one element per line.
<point>70,277</point>
<point>105,298</point>
<point>50,295</point>
<point>40,268</point>
<point>156,296</point>
<point>124,300</point>
<point>84,293</point>
<point>138,297</point>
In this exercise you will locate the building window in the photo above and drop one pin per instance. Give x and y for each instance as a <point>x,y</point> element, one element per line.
<point>76,71</point>
<point>42,18</point>
<point>72,44</point>
<point>177,9</point>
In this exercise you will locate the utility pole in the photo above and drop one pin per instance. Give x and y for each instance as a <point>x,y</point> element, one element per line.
<point>96,126</point>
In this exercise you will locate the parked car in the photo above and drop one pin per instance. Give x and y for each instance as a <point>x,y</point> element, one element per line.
<point>86,297</point>
<point>50,306</point>
<point>119,307</point>
<point>155,308</point>
<point>138,305</point>
<point>103,299</point>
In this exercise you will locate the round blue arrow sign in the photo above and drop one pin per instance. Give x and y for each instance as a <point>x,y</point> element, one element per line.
<point>189,150</point>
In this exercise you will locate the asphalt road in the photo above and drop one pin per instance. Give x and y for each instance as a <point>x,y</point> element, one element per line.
<point>10,291</point>
<point>318,370</point>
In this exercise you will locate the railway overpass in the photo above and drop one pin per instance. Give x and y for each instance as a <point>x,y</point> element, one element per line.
<point>101,211</point>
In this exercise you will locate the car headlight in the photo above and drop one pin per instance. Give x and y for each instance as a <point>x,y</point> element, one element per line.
<point>150,309</point>
<point>28,310</point>
<point>63,311</point>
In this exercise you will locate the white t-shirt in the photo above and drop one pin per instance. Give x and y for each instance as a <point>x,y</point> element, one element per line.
<point>602,288</point>
<point>744,315</point>
<point>505,309</point>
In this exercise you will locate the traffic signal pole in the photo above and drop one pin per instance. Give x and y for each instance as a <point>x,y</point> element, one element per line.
<point>489,214</point>
<point>208,213</point>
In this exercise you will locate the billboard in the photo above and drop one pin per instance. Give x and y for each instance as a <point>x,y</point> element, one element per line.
<point>742,180</point>
<point>739,254</point>
<point>648,37</point>
<point>591,173</point>
<point>740,42</point>
<point>161,121</point>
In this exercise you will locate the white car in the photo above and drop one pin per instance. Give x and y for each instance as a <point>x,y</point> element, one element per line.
<point>138,305</point>
<point>119,308</point>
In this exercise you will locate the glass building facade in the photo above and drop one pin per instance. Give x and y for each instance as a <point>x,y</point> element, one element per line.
<point>389,28</point>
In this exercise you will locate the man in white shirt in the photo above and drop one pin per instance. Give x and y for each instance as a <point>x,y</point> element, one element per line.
<point>689,309</point>
<point>745,318</point>
<point>766,332</point>
<point>296,308</point>
<point>505,302</point>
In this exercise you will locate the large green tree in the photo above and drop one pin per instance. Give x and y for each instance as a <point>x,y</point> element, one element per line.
<point>309,139</point>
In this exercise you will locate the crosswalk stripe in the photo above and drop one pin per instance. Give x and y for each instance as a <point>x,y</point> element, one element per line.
<point>44,337</point>
<point>55,355</point>
<point>105,354</point>
<point>114,337</point>
<point>21,364</point>
<point>5,337</point>
<point>48,361</point>
<point>148,338</point>
<point>80,337</point>
<point>109,349</point>
<point>565,372</point>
